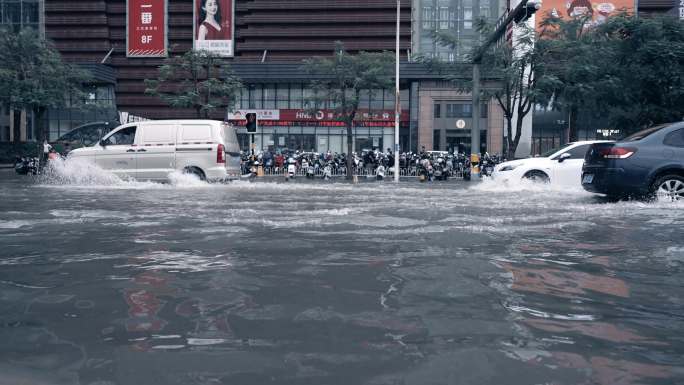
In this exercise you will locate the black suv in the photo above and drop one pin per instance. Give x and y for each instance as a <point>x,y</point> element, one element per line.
<point>649,163</point>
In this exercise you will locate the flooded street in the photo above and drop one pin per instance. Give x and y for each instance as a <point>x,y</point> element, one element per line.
<point>107,282</point>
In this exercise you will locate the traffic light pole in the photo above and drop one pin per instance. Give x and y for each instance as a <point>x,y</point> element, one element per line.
<point>475,128</point>
<point>251,143</point>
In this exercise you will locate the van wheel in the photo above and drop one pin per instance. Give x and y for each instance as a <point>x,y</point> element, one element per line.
<point>195,171</point>
<point>536,176</point>
<point>668,188</point>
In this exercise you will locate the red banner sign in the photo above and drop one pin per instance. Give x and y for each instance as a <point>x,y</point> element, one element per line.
<point>322,118</point>
<point>146,28</point>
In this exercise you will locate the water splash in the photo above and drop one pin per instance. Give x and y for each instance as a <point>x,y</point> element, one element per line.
<point>79,172</point>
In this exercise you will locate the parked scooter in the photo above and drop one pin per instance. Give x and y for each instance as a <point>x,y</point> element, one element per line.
<point>310,171</point>
<point>327,172</point>
<point>26,165</point>
<point>291,169</point>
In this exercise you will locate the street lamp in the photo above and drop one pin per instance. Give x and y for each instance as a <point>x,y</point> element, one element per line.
<point>520,13</point>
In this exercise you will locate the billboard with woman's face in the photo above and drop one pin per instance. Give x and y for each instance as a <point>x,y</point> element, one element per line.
<point>214,26</point>
<point>595,11</point>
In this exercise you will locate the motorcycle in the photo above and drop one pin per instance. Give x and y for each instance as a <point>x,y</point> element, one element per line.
<point>291,169</point>
<point>26,165</point>
<point>327,172</point>
<point>310,171</point>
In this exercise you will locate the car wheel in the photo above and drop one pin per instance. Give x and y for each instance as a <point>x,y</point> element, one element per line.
<point>195,171</point>
<point>668,188</point>
<point>536,176</point>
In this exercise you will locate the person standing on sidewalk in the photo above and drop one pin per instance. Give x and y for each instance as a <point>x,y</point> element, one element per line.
<point>46,153</point>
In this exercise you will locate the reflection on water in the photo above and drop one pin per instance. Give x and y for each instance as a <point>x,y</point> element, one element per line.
<point>104,281</point>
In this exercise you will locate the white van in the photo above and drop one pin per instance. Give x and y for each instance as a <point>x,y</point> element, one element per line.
<point>151,150</point>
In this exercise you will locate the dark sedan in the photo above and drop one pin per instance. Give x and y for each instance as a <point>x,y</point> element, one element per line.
<point>649,163</point>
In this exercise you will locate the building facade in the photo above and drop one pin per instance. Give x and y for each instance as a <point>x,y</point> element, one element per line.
<point>271,38</point>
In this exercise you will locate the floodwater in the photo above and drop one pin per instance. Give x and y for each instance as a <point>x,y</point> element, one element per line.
<point>104,282</point>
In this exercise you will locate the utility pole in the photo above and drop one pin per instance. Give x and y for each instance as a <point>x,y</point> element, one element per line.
<point>520,13</point>
<point>397,101</point>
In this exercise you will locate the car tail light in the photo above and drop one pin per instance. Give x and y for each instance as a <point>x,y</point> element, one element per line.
<point>617,152</point>
<point>221,154</point>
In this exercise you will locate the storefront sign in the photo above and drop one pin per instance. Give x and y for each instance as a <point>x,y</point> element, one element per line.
<point>214,26</point>
<point>321,116</point>
<point>146,28</point>
<point>261,114</point>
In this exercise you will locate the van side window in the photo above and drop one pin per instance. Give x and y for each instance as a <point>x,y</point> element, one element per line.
<point>122,137</point>
<point>675,138</point>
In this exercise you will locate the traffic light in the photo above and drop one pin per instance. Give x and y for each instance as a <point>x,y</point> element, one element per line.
<point>251,122</point>
<point>526,9</point>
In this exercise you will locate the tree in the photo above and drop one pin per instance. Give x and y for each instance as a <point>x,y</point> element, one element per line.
<point>627,70</point>
<point>571,72</point>
<point>509,69</point>
<point>34,77</point>
<point>340,79</point>
<point>199,80</point>
<point>645,77</point>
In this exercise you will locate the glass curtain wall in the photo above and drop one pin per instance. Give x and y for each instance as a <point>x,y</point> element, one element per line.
<point>456,16</point>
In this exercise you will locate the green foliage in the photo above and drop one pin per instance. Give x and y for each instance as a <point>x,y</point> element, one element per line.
<point>339,80</point>
<point>507,75</point>
<point>33,75</point>
<point>628,70</point>
<point>198,80</point>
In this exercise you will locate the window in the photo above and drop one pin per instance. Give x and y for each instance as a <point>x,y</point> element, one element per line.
<point>17,14</point>
<point>483,110</point>
<point>376,100</point>
<point>122,137</point>
<point>269,96</point>
<point>283,96</point>
<point>484,9</point>
<point>427,18</point>
<point>467,18</point>
<point>308,98</point>
<point>675,138</point>
<point>443,17</point>
<point>579,152</point>
<point>459,111</point>
<point>438,111</point>
<point>296,96</point>
<point>644,133</point>
<point>256,97</point>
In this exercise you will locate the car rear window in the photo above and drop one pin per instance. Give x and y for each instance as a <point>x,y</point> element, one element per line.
<point>644,133</point>
<point>675,138</point>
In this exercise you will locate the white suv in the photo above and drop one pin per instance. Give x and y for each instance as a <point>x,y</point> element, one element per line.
<point>559,166</point>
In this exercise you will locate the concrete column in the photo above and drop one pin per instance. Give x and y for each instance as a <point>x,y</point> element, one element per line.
<point>11,125</point>
<point>495,128</point>
<point>22,126</point>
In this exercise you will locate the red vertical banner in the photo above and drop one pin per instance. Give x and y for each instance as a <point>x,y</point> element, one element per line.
<point>146,28</point>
